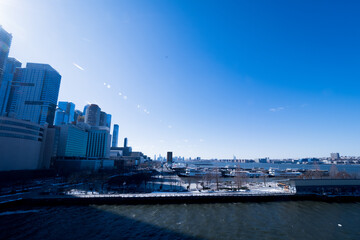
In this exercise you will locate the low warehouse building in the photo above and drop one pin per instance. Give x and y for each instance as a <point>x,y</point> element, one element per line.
<point>326,186</point>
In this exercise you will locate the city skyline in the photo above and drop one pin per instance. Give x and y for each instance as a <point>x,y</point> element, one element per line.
<point>239,81</point>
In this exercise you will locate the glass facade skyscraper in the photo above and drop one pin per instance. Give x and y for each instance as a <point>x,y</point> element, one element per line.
<point>77,116</point>
<point>92,115</point>
<point>5,42</point>
<point>98,144</point>
<point>65,113</point>
<point>5,86</point>
<point>108,120</point>
<point>85,108</point>
<point>73,141</point>
<point>115,136</point>
<point>34,95</point>
<point>105,119</point>
<point>102,119</point>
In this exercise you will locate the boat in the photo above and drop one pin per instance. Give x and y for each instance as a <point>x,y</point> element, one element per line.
<point>274,172</point>
<point>192,172</point>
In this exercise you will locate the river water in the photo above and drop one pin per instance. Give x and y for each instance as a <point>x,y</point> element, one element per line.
<point>273,220</point>
<point>345,167</point>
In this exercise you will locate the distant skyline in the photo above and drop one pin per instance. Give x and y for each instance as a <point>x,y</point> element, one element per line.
<point>209,79</point>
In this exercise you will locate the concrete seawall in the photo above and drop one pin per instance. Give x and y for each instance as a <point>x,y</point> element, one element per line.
<point>170,199</point>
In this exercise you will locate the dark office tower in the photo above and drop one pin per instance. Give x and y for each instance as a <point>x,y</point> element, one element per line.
<point>169,157</point>
<point>34,93</point>
<point>115,136</point>
<point>125,142</point>
<point>92,116</point>
<point>5,85</point>
<point>5,42</point>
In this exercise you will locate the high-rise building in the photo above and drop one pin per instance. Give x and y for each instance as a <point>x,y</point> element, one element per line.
<point>169,158</point>
<point>103,117</point>
<point>115,136</point>
<point>72,142</point>
<point>108,120</point>
<point>34,93</point>
<point>5,42</point>
<point>98,144</point>
<point>65,113</point>
<point>77,114</point>
<point>335,156</point>
<point>92,116</point>
<point>5,83</point>
<point>85,108</point>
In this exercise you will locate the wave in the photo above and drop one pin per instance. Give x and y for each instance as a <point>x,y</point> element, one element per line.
<point>18,212</point>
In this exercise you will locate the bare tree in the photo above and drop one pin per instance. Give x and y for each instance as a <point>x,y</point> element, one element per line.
<point>316,174</point>
<point>333,171</point>
<point>264,176</point>
<point>240,178</point>
<point>189,181</point>
<point>217,178</point>
<point>343,175</point>
<point>207,179</point>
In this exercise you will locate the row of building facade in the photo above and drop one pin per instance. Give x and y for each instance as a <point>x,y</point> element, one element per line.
<point>37,132</point>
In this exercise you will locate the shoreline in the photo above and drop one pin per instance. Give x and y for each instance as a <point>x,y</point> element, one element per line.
<point>172,198</point>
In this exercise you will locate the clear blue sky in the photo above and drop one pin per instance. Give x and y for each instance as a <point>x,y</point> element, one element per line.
<point>212,79</point>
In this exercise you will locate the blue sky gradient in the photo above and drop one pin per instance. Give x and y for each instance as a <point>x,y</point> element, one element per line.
<point>213,79</point>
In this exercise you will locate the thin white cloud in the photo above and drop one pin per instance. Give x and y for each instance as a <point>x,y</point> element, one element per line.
<point>277,109</point>
<point>120,93</point>
<point>138,106</point>
<point>77,66</point>
<point>125,97</point>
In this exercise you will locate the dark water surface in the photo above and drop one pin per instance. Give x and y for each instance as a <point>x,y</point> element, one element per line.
<point>275,220</point>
